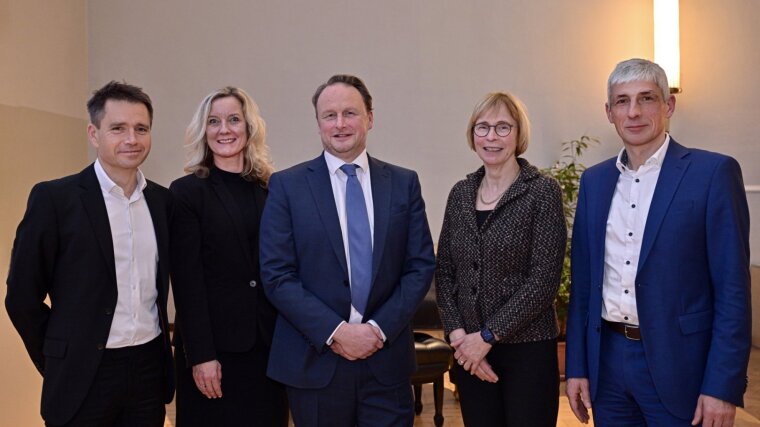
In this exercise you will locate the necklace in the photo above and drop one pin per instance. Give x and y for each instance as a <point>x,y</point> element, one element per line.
<point>486,202</point>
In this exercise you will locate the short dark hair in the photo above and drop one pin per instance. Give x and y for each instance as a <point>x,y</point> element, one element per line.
<point>118,92</point>
<point>349,80</point>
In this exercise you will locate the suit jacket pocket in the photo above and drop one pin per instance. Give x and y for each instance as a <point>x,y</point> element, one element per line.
<point>54,348</point>
<point>400,209</point>
<point>696,322</point>
<point>682,206</point>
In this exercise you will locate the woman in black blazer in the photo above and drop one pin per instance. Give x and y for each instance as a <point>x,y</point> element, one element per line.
<point>500,256</point>
<point>224,321</point>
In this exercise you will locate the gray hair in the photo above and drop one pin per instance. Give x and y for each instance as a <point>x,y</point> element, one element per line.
<point>637,69</point>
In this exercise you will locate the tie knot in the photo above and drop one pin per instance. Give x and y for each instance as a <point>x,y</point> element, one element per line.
<point>349,169</point>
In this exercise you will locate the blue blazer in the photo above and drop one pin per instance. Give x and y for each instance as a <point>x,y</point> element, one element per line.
<point>692,283</point>
<point>303,267</point>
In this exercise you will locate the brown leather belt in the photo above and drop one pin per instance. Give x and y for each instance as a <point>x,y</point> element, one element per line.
<point>628,331</point>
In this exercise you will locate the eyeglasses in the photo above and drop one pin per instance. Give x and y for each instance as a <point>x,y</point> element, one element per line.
<point>502,129</point>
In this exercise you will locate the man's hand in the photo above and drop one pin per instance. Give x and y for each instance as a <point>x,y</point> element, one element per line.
<point>713,412</point>
<point>357,341</point>
<point>470,351</point>
<point>208,378</point>
<point>580,399</point>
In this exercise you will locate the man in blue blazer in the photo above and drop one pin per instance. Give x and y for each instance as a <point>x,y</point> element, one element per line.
<point>346,257</point>
<point>659,322</point>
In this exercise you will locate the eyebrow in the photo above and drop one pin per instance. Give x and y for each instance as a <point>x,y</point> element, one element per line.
<point>644,92</point>
<point>117,124</point>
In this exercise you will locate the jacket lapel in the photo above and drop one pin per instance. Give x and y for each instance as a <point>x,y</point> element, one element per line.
<point>605,190</point>
<point>157,208</point>
<point>380,177</point>
<point>95,206</point>
<point>673,169</point>
<point>321,189</point>
<point>229,204</point>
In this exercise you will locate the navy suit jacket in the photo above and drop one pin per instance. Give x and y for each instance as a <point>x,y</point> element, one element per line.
<point>303,266</point>
<point>692,282</point>
<point>63,250</point>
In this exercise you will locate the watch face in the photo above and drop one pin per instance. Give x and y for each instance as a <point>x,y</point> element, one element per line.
<point>487,335</point>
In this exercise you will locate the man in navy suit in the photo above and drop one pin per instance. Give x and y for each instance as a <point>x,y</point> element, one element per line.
<point>346,257</point>
<point>97,244</point>
<point>659,322</point>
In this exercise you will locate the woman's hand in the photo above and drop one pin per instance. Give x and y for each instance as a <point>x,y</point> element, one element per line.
<point>456,334</point>
<point>470,353</point>
<point>208,378</point>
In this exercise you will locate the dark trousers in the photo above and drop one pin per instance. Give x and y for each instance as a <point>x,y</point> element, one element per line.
<point>625,395</point>
<point>249,397</point>
<point>527,393</point>
<point>127,390</point>
<point>353,398</point>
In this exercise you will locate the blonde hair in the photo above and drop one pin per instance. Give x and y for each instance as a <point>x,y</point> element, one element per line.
<point>257,163</point>
<point>516,110</point>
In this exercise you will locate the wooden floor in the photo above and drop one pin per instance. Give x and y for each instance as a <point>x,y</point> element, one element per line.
<point>453,418</point>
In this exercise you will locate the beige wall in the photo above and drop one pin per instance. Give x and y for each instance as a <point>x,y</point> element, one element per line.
<point>44,87</point>
<point>427,62</point>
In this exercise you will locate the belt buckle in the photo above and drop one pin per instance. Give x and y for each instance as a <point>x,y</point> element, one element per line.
<point>625,332</point>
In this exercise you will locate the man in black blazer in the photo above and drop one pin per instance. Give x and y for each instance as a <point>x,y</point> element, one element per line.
<point>95,243</point>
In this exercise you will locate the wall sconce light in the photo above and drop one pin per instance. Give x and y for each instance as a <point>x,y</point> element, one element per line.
<point>667,50</point>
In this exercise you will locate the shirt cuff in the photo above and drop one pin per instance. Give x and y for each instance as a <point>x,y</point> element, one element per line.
<point>330,338</point>
<point>373,323</point>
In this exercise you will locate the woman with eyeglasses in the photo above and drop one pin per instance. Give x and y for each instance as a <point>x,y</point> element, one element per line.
<point>500,256</point>
<point>224,321</point>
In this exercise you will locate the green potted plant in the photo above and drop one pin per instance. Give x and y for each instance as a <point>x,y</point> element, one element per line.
<point>567,171</point>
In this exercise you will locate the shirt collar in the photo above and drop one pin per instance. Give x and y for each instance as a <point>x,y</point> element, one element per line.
<point>656,160</point>
<point>334,163</point>
<point>107,184</point>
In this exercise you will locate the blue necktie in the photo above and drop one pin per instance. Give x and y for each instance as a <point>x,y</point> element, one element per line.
<point>359,240</point>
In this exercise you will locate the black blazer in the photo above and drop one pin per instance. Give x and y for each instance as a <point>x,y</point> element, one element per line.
<point>63,250</point>
<point>217,288</point>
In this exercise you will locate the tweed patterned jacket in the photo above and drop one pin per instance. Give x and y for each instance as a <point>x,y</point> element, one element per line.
<point>505,274</point>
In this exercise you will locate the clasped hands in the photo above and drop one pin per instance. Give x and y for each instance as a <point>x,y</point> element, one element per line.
<point>470,352</point>
<point>354,341</point>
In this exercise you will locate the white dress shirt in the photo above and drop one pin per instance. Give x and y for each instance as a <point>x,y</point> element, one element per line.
<point>625,230</point>
<point>338,181</point>
<point>135,319</point>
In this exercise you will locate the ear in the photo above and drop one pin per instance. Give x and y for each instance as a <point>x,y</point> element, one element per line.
<point>671,106</point>
<point>92,135</point>
<point>371,118</point>
<point>608,110</point>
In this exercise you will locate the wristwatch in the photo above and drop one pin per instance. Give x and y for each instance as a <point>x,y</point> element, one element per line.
<point>487,335</point>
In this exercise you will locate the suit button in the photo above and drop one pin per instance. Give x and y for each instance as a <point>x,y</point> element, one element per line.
<point>100,346</point>
<point>474,265</point>
<point>598,328</point>
<point>345,283</point>
<point>109,312</point>
<point>473,290</point>
<point>252,283</point>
